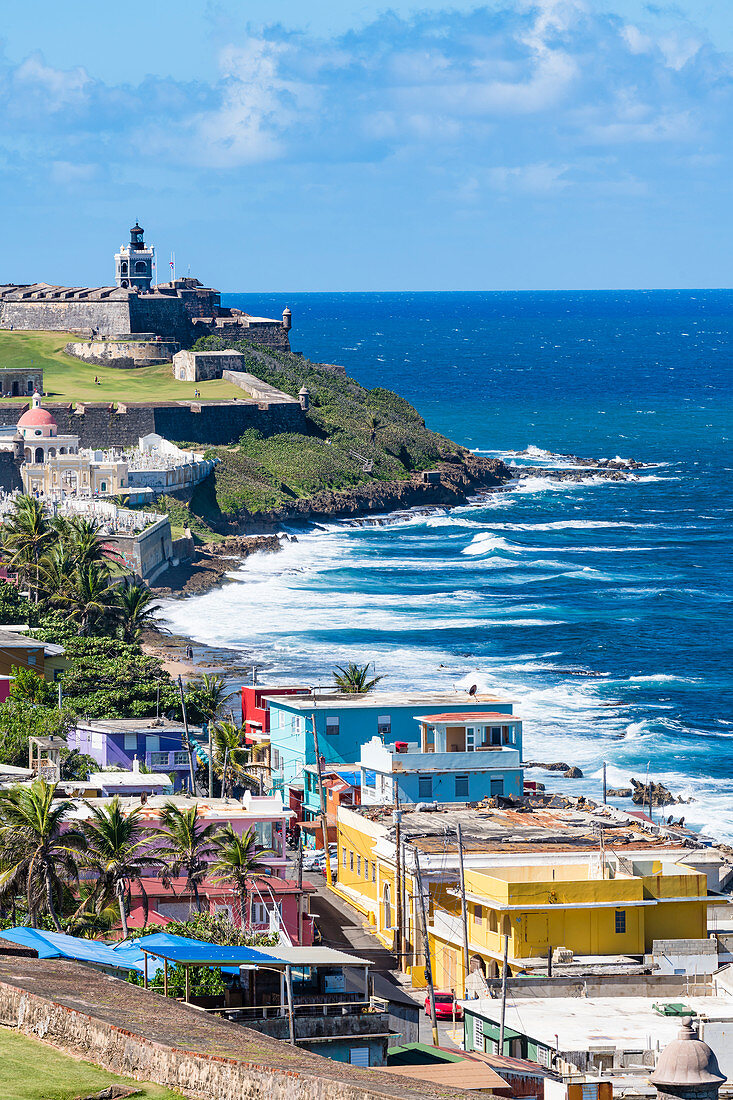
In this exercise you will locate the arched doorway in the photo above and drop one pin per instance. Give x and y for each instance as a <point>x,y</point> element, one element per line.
<point>39,454</point>
<point>15,390</point>
<point>30,386</point>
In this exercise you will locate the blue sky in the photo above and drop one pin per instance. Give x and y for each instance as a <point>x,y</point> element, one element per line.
<point>352,146</point>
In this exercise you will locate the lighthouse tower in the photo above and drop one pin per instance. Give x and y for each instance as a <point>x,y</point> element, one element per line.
<point>134,262</point>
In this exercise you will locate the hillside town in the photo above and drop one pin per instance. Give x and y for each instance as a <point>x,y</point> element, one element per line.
<point>374,889</point>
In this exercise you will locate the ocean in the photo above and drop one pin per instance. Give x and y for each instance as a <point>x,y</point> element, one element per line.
<point>603,608</point>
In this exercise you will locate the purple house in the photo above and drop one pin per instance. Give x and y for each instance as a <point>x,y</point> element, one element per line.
<point>156,742</point>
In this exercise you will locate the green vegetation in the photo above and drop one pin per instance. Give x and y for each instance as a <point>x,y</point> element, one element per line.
<point>354,679</point>
<point>357,436</point>
<point>68,379</point>
<point>32,1070</point>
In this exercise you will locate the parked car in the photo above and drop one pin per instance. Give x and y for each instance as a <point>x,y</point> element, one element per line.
<point>444,1006</point>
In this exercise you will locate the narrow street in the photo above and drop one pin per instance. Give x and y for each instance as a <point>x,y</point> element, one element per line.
<point>344,928</point>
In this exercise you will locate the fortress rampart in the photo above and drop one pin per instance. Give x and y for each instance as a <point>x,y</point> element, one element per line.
<point>214,422</point>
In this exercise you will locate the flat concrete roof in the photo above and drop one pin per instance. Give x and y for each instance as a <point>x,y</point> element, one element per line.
<point>463,718</point>
<point>598,1023</point>
<point>376,699</point>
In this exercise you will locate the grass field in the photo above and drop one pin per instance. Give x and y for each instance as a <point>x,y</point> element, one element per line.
<point>32,1070</point>
<point>68,379</point>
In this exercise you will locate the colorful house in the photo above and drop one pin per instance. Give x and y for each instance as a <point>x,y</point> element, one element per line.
<point>346,722</point>
<point>462,757</point>
<point>116,742</point>
<point>22,650</point>
<point>614,906</point>
<point>541,878</point>
<point>273,904</point>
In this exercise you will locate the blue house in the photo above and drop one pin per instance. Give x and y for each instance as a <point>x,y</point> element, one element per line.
<point>462,757</point>
<point>346,722</point>
<point>157,743</point>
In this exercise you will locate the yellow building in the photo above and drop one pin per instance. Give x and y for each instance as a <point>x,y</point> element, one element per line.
<point>599,907</point>
<point>555,892</point>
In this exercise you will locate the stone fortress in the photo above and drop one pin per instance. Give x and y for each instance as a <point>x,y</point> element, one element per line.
<point>178,312</point>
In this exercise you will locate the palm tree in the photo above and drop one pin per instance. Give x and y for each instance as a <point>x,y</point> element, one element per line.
<point>118,850</point>
<point>375,425</point>
<point>34,852</point>
<point>230,753</point>
<point>237,859</point>
<point>57,575</point>
<point>136,609</point>
<point>26,535</point>
<point>81,538</point>
<point>185,845</point>
<point>93,597</point>
<point>354,679</point>
<point>206,696</point>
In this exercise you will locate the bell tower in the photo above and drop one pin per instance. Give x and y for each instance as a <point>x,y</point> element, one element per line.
<point>134,262</point>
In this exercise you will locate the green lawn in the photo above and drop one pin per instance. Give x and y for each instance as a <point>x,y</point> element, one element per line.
<point>69,379</point>
<point>32,1070</point>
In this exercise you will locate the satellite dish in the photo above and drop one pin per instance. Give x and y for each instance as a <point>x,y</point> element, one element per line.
<point>473,689</point>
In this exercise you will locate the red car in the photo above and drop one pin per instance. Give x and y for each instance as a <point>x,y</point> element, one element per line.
<point>444,1006</point>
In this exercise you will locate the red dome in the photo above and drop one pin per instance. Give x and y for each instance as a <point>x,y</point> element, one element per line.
<point>36,418</point>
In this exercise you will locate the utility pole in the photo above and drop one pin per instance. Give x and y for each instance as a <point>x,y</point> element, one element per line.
<point>464,910</point>
<point>503,995</point>
<point>291,1015</point>
<point>300,886</point>
<point>211,760</point>
<point>397,815</point>
<point>426,950</point>
<point>189,744</point>
<point>324,819</point>
<point>59,695</point>
<point>604,783</point>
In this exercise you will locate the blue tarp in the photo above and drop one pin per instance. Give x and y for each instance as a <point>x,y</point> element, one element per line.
<point>56,945</point>
<point>197,952</point>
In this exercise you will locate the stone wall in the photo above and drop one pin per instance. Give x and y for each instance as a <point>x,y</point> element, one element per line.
<point>123,354</point>
<point>202,366</point>
<point>10,478</point>
<point>135,1032</point>
<point>67,316</point>
<point>20,383</point>
<point>207,422</point>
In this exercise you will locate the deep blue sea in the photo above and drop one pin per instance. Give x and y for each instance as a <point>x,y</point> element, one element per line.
<point>603,609</point>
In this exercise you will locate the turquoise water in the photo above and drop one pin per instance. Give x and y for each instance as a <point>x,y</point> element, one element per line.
<point>603,609</point>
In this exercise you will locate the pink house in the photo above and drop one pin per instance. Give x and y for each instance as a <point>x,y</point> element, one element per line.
<point>273,905</point>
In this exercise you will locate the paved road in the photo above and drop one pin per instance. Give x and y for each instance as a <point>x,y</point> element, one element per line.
<point>343,927</point>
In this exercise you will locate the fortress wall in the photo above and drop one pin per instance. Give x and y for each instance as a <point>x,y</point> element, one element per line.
<point>268,335</point>
<point>123,354</point>
<point>108,317</point>
<point>208,422</point>
<point>166,316</point>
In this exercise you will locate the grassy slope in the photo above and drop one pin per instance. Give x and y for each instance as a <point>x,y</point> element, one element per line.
<point>31,1070</point>
<point>69,379</point>
<point>350,427</point>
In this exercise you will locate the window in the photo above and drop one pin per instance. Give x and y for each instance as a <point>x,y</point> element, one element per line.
<point>332,726</point>
<point>495,735</point>
<point>470,738</point>
<point>180,758</point>
<point>374,872</point>
<point>425,786</point>
<point>351,861</point>
<point>152,742</point>
<point>493,923</point>
<point>343,857</point>
<point>620,920</point>
<point>478,915</point>
<point>478,1033</point>
<point>461,786</point>
<point>358,866</point>
<point>359,1056</point>
<point>369,779</point>
<point>103,487</point>
<point>497,788</point>
<point>384,725</point>
<point>131,741</point>
<point>31,657</point>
